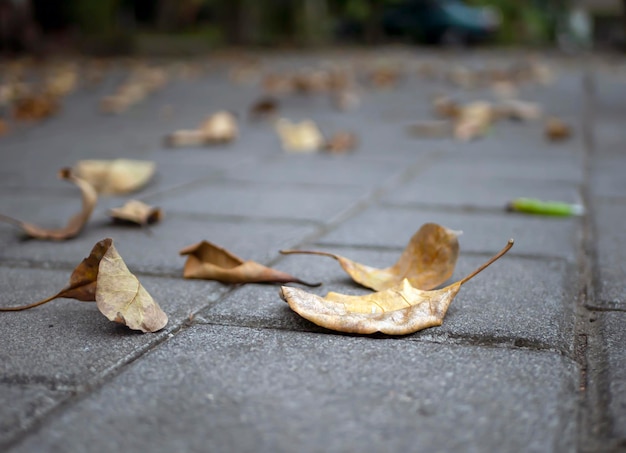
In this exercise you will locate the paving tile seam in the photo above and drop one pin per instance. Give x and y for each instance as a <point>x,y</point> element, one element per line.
<point>499,342</point>
<point>363,203</point>
<point>79,391</point>
<point>592,414</point>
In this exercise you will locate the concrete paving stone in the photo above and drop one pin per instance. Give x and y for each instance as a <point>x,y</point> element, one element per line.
<point>563,168</point>
<point>389,226</point>
<point>156,250</point>
<point>499,306</point>
<point>221,388</point>
<point>471,192</point>
<point>614,337</point>
<point>21,404</point>
<point>67,342</point>
<point>319,169</point>
<point>278,201</point>
<point>610,252</point>
<point>607,176</point>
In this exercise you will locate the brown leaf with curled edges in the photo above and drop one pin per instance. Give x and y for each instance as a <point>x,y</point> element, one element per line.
<point>76,222</point>
<point>82,285</point>
<point>209,262</point>
<point>427,261</point>
<point>104,278</point>
<point>123,299</point>
<point>400,310</point>
<point>137,212</point>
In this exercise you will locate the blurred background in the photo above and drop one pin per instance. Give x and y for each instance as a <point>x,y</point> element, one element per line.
<point>190,26</point>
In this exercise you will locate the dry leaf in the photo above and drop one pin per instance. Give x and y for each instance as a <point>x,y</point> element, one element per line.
<point>35,107</point>
<point>427,261</point>
<point>123,299</point>
<point>519,110</point>
<point>115,177</point>
<point>299,137</point>
<point>399,310</point>
<point>4,127</point>
<point>76,222</point>
<point>221,127</point>
<point>264,108</point>
<point>104,278</point>
<point>474,120</point>
<point>210,262</point>
<point>557,130</point>
<point>135,211</point>
<point>446,107</point>
<point>341,143</point>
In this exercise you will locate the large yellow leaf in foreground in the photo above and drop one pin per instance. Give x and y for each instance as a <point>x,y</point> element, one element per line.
<point>400,310</point>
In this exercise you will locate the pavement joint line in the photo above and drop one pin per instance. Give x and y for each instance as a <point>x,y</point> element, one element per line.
<point>371,198</point>
<point>593,418</point>
<point>423,336</point>
<point>226,218</point>
<point>83,390</point>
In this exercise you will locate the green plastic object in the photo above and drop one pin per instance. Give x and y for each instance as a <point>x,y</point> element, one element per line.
<point>552,208</point>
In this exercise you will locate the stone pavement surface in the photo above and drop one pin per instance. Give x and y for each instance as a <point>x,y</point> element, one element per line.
<point>530,357</point>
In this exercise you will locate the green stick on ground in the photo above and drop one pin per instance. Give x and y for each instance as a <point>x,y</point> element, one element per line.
<point>553,208</point>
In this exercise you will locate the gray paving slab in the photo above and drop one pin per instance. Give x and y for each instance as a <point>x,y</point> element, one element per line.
<point>22,404</point>
<point>498,307</point>
<point>270,201</point>
<point>270,390</point>
<point>611,252</point>
<point>388,226</point>
<point>614,338</point>
<point>319,169</point>
<point>477,192</point>
<point>67,343</point>
<point>607,176</point>
<point>156,250</point>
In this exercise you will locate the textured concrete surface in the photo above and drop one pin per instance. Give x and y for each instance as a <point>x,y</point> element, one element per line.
<point>529,357</point>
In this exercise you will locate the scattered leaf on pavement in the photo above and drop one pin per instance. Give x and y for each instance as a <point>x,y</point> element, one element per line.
<point>115,177</point>
<point>557,130</point>
<point>341,142</point>
<point>399,310</point>
<point>474,120</point>
<point>76,222</point>
<point>445,107</point>
<point>221,127</point>
<point>4,127</point>
<point>519,110</point>
<point>210,262</point>
<point>35,107</point>
<point>265,107</point>
<point>104,278</point>
<point>138,212</point>
<point>302,137</point>
<point>427,261</point>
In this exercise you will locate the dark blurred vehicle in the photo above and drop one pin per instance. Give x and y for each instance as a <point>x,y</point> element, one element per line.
<point>450,22</point>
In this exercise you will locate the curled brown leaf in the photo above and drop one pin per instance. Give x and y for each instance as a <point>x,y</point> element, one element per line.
<point>427,261</point>
<point>117,176</point>
<point>76,222</point>
<point>104,278</point>
<point>210,262</point>
<point>137,212</point>
<point>399,310</point>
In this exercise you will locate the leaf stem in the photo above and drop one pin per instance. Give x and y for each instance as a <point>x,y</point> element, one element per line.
<point>33,305</point>
<point>481,268</point>
<point>307,252</point>
<point>11,220</point>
